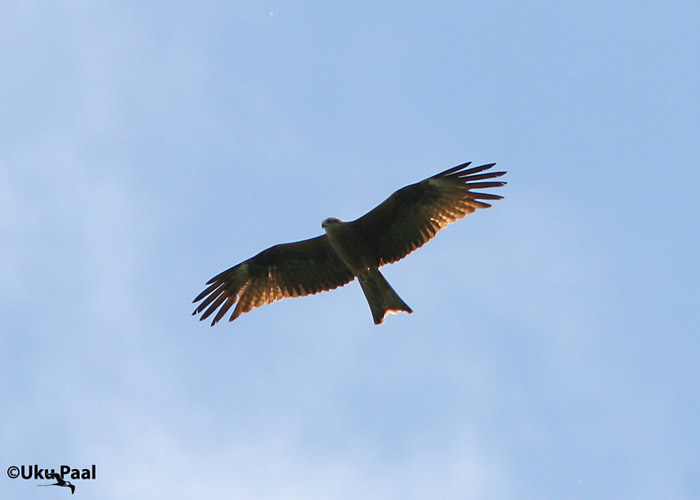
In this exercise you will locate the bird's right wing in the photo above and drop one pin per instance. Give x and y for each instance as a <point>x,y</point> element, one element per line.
<point>285,270</point>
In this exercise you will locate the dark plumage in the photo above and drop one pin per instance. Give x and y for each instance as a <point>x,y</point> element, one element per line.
<point>403,222</point>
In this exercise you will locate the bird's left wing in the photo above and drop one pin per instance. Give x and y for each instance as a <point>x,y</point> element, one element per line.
<point>285,270</point>
<point>414,214</point>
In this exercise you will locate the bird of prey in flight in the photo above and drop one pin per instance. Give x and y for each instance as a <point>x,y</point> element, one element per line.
<point>348,250</point>
<point>60,482</point>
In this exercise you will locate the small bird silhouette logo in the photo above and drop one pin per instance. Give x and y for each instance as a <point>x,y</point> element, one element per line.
<point>60,482</point>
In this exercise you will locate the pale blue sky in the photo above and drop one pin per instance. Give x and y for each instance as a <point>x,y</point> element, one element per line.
<point>554,346</point>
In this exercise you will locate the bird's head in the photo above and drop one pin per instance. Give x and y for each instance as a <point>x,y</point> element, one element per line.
<point>330,222</point>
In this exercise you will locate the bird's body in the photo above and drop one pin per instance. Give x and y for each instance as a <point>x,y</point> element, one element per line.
<point>356,249</point>
<point>343,238</point>
<point>381,297</point>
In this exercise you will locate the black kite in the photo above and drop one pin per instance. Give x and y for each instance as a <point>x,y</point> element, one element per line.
<point>348,250</point>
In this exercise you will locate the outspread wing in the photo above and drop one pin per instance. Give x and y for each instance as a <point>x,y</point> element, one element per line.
<point>285,270</point>
<point>414,214</point>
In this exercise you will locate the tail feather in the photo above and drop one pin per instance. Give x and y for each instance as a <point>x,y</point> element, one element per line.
<point>381,297</point>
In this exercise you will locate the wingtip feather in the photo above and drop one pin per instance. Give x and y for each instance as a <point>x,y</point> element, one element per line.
<point>474,170</point>
<point>452,170</point>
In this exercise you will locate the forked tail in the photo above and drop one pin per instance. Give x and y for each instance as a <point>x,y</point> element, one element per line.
<point>381,297</point>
